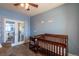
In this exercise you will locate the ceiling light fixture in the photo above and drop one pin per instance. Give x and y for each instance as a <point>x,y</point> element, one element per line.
<point>26,5</point>
<point>22,4</point>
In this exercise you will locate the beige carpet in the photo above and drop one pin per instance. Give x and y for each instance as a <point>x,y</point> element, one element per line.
<point>20,50</point>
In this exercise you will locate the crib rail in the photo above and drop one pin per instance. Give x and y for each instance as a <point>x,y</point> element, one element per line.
<point>52,48</point>
<point>54,44</point>
<point>51,44</point>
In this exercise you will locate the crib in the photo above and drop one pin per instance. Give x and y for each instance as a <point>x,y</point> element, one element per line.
<point>52,44</point>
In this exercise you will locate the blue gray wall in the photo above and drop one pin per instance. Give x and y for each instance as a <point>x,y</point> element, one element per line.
<point>16,16</point>
<point>64,21</point>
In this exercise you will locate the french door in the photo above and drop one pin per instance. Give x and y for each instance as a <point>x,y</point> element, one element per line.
<point>13,31</point>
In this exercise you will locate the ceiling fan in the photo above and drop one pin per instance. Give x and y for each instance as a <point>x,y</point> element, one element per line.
<point>26,5</point>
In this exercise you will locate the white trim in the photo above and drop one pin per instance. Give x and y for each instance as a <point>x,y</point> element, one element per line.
<point>17,43</point>
<point>6,19</point>
<point>69,54</point>
<point>16,32</point>
<point>4,30</point>
<point>0,46</point>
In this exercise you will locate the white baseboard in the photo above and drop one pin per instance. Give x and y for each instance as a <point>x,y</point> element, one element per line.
<point>14,44</point>
<point>17,43</point>
<point>69,54</point>
<point>0,46</point>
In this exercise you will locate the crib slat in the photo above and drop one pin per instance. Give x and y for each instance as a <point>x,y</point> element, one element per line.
<point>59,50</point>
<point>56,49</point>
<point>46,50</point>
<point>62,51</point>
<point>52,48</point>
<point>66,50</point>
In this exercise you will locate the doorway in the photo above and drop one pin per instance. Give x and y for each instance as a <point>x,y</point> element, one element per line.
<point>13,32</point>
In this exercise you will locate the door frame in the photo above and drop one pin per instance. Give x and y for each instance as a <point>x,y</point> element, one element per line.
<point>16,31</point>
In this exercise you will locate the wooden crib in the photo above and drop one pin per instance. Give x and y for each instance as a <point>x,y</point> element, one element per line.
<point>52,44</point>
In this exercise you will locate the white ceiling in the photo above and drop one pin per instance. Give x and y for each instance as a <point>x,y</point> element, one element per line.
<point>42,7</point>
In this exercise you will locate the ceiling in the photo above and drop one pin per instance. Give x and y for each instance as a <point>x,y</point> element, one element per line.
<point>42,7</point>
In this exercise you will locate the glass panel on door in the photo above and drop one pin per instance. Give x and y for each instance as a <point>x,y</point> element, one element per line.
<point>14,32</point>
<point>20,32</point>
<point>10,31</point>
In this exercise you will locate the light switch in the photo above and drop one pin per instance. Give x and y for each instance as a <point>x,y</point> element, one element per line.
<point>42,22</point>
<point>50,21</point>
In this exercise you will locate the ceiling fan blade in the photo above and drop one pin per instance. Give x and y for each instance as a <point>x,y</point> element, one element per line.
<point>16,4</point>
<point>34,5</point>
<point>28,9</point>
